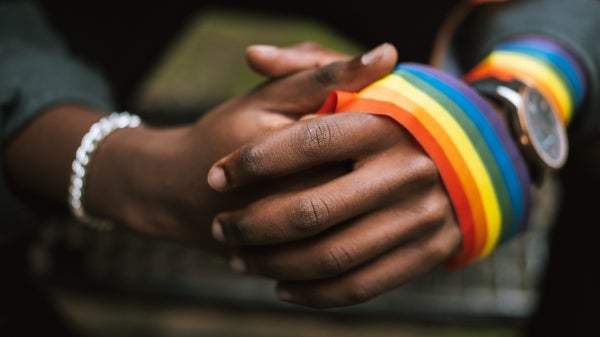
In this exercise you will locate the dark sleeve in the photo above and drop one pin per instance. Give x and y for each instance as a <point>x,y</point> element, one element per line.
<point>574,23</point>
<point>35,72</point>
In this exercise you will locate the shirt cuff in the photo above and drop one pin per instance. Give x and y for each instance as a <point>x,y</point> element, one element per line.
<point>571,23</point>
<point>31,81</point>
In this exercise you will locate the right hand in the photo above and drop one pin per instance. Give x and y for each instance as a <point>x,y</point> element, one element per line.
<point>384,221</point>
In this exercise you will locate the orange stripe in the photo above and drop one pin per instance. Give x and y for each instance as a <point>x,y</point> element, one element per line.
<point>452,152</point>
<point>455,180</point>
<point>435,151</point>
<point>504,73</point>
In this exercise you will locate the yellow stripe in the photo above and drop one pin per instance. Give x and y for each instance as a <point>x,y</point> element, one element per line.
<point>462,141</point>
<point>532,66</point>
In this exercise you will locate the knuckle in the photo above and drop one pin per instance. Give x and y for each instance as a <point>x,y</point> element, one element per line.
<point>334,261</point>
<point>317,136</point>
<point>444,245</point>
<point>454,238</point>
<point>325,76</point>
<point>426,169</point>
<point>436,208</point>
<point>439,250</point>
<point>250,160</point>
<point>239,231</point>
<point>311,214</point>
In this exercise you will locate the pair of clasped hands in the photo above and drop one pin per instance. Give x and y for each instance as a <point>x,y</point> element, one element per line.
<point>337,208</point>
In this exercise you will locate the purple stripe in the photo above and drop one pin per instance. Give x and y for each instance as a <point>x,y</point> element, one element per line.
<point>555,47</point>
<point>501,131</point>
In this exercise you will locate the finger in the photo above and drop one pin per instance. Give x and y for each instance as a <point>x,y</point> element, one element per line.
<point>305,91</point>
<point>351,244</point>
<point>288,217</point>
<point>272,61</point>
<point>304,144</point>
<point>383,274</point>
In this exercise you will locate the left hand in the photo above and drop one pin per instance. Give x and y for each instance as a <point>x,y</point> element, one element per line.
<point>172,200</point>
<point>275,62</point>
<point>385,218</point>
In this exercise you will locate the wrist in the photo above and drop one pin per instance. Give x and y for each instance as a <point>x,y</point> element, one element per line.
<point>83,157</point>
<point>477,159</point>
<point>125,174</point>
<point>152,181</point>
<point>39,158</point>
<point>533,122</point>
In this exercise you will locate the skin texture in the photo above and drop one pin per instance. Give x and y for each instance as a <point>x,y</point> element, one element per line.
<point>317,203</point>
<point>384,221</point>
<point>275,61</point>
<point>152,180</point>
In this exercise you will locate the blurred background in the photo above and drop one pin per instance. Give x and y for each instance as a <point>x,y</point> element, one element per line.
<point>119,284</point>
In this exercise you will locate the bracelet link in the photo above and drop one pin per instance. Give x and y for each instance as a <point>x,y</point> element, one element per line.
<point>83,156</point>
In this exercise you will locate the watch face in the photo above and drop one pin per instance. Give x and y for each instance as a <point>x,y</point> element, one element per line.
<point>546,132</point>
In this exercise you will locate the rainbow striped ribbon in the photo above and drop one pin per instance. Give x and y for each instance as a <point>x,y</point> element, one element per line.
<point>541,62</point>
<point>478,161</point>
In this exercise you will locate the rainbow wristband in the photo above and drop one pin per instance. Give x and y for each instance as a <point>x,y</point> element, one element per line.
<point>542,63</point>
<point>478,161</point>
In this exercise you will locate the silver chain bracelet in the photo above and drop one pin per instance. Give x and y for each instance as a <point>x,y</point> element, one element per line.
<point>98,131</point>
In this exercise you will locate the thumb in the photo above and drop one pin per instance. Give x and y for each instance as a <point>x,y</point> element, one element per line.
<point>272,61</point>
<point>305,91</point>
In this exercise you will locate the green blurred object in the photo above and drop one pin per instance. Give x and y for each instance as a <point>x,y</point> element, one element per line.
<point>205,65</point>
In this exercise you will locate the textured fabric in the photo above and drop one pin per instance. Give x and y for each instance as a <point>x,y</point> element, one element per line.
<point>574,24</point>
<point>35,72</point>
<point>534,59</point>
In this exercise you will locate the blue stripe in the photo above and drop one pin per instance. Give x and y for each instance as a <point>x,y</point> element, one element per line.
<point>484,125</point>
<point>562,66</point>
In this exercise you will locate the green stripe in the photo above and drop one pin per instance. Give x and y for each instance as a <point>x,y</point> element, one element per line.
<point>478,142</point>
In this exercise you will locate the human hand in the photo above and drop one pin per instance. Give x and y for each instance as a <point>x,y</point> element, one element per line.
<point>151,176</point>
<point>385,221</point>
<point>274,61</point>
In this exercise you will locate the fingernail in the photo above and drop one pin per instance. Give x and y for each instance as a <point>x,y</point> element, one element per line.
<point>216,178</point>
<point>237,264</point>
<point>309,116</point>
<point>263,48</point>
<point>373,55</point>
<point>217,231</point>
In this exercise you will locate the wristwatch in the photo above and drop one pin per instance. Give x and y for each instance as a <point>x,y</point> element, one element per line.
<point>533,122</point>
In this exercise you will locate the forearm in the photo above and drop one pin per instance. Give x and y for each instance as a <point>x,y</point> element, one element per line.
<point>133,178</point>
<point>36,73</point>
<point>39,158</point>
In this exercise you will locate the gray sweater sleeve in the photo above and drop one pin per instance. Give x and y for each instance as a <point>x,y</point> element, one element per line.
<point>36,72</point>
<point>574,23</point>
